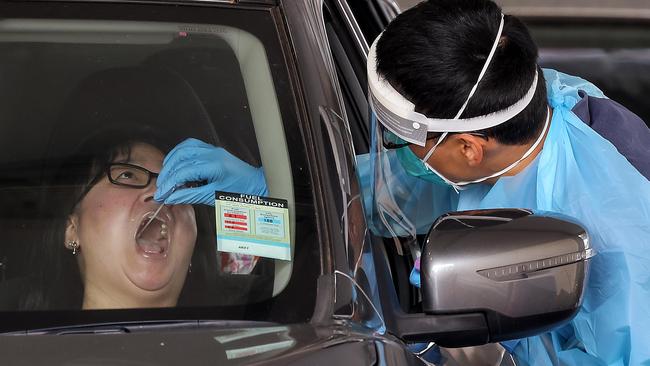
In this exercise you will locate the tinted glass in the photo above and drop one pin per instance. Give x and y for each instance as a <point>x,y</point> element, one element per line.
<point>91,105</point>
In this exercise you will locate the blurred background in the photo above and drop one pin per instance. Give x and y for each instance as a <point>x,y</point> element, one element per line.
<point>622,8</point>
<point>604,41</point>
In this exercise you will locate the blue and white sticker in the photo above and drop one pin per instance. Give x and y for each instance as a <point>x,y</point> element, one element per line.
<point>253,225</point>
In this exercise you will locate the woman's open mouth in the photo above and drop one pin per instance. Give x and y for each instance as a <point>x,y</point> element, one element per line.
<point>153,240</point>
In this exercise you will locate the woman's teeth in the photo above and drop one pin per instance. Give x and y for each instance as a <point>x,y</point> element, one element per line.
<point>153,239</point>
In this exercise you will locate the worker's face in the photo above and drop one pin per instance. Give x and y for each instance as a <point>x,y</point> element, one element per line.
<point>147,269</point>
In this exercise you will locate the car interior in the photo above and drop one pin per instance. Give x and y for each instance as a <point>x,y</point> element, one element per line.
<point>173,72</point>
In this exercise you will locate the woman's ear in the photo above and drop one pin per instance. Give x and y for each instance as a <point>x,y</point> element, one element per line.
<point>472,148</point>
<point>71,233</point>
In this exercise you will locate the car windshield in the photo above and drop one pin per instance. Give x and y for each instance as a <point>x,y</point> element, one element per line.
<point>91,105</point>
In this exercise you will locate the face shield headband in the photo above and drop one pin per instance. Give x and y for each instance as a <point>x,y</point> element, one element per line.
<point>398,115</point>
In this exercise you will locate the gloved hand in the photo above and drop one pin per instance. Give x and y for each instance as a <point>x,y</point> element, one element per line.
<point>194,160</point>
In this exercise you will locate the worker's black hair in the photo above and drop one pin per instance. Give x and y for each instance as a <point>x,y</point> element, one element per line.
<point>433,54</point>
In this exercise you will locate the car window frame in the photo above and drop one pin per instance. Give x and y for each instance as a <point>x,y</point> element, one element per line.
<point>296,296</point>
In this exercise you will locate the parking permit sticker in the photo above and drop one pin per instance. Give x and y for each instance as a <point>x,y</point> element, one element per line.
<point>253,225</point>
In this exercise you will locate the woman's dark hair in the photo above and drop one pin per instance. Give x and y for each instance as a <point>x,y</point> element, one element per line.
<point>433,53</point>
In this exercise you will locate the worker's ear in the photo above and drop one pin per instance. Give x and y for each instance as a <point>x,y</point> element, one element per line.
<point>471,148</point>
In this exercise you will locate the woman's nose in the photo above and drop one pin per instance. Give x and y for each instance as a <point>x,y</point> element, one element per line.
<point>149,191</point>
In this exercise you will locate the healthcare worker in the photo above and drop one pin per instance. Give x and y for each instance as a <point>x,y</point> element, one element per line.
<point>459,101</point>
<point>463,118</point>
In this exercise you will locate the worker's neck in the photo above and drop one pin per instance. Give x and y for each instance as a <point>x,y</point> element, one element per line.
<point>512,153</point>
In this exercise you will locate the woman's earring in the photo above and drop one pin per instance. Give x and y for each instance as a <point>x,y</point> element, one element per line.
<point>72,245</point>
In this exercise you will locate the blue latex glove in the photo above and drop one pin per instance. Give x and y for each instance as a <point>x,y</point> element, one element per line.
<point>414,278</point>
<point>194,160</point>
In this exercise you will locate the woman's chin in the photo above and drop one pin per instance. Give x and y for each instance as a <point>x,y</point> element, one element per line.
<point>157,283</point>
<point>142,288</point>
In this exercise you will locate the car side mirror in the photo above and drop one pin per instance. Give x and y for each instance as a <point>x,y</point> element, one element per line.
<point>524,273</point>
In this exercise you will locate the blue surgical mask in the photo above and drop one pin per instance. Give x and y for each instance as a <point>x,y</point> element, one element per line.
<point>419,168</point>
<point>415,167</point>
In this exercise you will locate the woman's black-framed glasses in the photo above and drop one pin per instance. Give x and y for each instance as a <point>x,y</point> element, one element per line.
<point>129,175</point>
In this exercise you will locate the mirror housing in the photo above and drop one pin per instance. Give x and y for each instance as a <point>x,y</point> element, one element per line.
<point>523,273</point>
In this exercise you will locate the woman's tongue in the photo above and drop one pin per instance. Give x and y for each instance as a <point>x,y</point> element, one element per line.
<point>153,239</point>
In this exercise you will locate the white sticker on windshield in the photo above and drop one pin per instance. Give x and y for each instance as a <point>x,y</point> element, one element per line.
<point>252,225</point>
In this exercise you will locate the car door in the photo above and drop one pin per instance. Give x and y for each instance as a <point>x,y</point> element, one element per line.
<point>349,54</point>
<point>392,260</point>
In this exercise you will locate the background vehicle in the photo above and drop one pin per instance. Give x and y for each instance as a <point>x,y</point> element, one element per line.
<point>281,85</point>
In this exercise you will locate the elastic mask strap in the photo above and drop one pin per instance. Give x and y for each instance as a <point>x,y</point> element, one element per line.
<point>459,186</point>
<point>485,67</point>
<point>454,185</point>
<point>442,137</point>
<point>540,138</point>
<point>431,168</point>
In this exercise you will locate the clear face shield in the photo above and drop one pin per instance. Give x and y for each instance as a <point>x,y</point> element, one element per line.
<point>407,193</point>
<point>403,206</point>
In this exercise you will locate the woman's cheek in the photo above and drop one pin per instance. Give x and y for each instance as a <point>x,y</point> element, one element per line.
<point>110,216</point>
<point>186,219</point>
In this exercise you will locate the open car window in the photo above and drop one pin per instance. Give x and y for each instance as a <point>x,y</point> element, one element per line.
<point>90,108</point>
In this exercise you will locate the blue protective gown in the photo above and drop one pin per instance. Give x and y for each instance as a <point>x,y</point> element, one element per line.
<point>581,174</point>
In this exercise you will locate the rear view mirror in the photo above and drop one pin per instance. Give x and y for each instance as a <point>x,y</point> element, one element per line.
<point>524,273</point>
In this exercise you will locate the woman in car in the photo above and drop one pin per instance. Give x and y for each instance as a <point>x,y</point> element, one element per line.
<point>108,188</point>
<point>106,151</point>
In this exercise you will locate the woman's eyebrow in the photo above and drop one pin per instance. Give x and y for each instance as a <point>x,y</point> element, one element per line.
<point>126,159</point>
